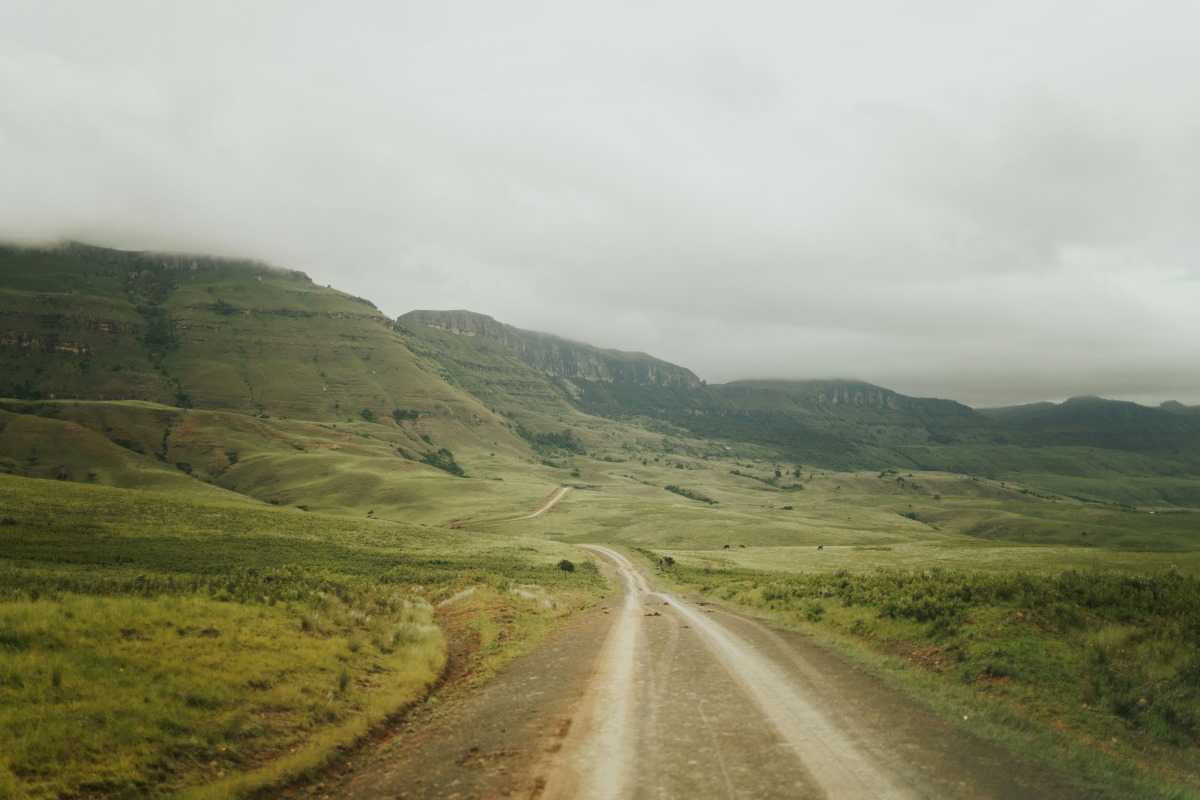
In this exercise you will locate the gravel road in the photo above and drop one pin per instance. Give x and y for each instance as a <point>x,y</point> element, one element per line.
<point>651,695</point>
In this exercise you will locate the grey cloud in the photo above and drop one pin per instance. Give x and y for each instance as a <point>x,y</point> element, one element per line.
<point>994,205</point>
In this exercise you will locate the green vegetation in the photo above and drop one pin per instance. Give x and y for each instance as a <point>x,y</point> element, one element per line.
<point>551,443</point>
<point>1116,647</point>
<point>1110,658</point>
<point>443,459</point>
<point>199,473</point>
<point>150,642</point>
<point>689,494</point>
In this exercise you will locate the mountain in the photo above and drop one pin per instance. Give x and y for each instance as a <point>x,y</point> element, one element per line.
<point>1170,430</point>
<point>832,423</point>
<point>1176,407</point>
<point>179,359</point>
<point>835,423</point>
<point>560,359</point>
<point>223,370</point>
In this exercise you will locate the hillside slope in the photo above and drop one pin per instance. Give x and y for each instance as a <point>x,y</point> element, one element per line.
<point>139,348</point>
<point>183,360</point>
<point>836,423</point>
<point>1172,429</point>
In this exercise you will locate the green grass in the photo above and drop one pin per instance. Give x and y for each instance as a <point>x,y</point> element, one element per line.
<point>151,642</point>
<point>141,694</point>
<point>348,468</point>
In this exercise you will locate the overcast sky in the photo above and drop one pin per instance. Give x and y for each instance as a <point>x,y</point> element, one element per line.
<point>993,202</point>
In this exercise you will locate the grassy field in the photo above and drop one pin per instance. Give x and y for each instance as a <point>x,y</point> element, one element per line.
<point>102,583</point>
<point>154,642</point>
<point>166,614</point>
<point>349,468</point>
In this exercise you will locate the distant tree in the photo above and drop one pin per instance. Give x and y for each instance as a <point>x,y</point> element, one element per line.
<point>443,459</point>
<point>367,414</point>
<point>689,494</point>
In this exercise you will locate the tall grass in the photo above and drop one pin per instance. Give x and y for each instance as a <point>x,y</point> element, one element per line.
<point>152,644</point>
<point>132,694</point>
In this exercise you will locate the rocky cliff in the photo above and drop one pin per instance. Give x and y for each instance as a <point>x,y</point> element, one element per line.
<point>828,394</point>
<point>556,357</point>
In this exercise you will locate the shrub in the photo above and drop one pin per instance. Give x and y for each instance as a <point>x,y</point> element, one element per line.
<point>690,495</point>
<point>443,459</point>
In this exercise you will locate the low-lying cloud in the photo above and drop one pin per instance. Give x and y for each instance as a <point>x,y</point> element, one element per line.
<point>993,204</point>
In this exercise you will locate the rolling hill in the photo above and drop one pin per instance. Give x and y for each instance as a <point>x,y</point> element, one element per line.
<point>223,370</point>
<point>1170,430</point>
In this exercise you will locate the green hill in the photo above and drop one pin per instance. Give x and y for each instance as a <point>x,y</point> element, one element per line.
<point>222,371</point>
<point>1171,430</point>
<point>201,374</point>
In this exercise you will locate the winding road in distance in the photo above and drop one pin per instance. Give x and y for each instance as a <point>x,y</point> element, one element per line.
<point>655,696</point>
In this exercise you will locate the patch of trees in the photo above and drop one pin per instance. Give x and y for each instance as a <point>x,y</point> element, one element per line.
<point>25,390</point>
<point>690,495</point>
<point>551,442</point>
<point>443,459</point>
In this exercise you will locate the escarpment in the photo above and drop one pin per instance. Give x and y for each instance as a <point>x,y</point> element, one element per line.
<point>556,357</point>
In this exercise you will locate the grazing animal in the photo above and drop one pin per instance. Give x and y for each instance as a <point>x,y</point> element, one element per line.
<point>726,547</point>
<point>742,546</point>
<point>820,547</point>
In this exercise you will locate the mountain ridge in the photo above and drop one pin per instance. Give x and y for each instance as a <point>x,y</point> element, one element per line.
<point>558,357</point>
<point>249,339</point>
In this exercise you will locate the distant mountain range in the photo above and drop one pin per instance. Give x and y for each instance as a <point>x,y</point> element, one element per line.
<point>81,322</point>
<point>840,422</point>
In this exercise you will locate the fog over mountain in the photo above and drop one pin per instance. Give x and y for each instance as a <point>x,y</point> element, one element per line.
<point>989,202</point>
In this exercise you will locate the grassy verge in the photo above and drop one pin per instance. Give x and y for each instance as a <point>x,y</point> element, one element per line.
<point>1098,673</point>
<point>155,644</point>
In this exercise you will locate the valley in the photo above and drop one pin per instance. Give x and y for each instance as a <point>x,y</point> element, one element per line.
<point>249,523</point>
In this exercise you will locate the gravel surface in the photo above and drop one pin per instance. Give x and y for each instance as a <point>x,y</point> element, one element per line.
<point>650,695</point>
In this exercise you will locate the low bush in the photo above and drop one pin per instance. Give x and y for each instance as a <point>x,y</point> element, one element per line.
<point>1123,647</point>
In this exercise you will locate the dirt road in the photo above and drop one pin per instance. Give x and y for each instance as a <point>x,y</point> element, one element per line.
<point>553,499</point>
<point>655,696</point>
<point>549,504</point>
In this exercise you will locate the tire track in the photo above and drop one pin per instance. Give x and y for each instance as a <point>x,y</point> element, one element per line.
<point>837,762</point>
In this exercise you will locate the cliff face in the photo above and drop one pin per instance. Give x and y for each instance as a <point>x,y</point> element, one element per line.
<point>561,358</point>
<point>830,394</point>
